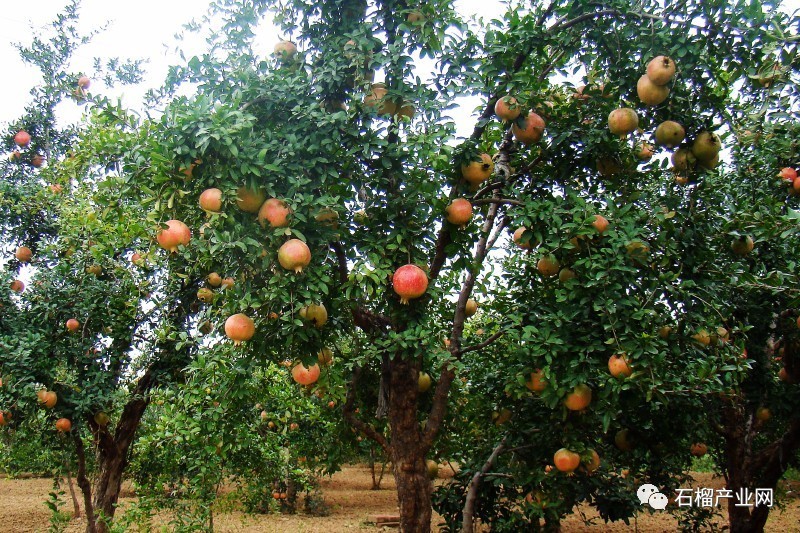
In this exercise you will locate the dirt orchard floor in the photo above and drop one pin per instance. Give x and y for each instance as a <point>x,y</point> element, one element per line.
<point>352,505</point>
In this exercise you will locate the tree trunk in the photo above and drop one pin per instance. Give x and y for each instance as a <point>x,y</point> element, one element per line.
<point>76,506</point>
<point>414,489</point>
<point>112,454</point>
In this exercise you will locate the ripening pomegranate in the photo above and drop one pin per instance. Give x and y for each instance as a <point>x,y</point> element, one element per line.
<point>275,212</point>
<point>285,50</point>
<point>579,399</point>
<point>698,449</point>
<point>17,286</point>
<point>594,462</point>
<point>23,254</point>
<point>618,366</point>
<point>84,82</point>
<point>63,425</point>
<point>409,282</point>
<point>211,200</point>
<point>537,382</point>
<point>660,70</point>
<point>325,357</point>
<point>22,138</point>
<point>249,200</point>
<point>227,283</point>
<point>706,146</point>
<point>683,159</point>
<point>214,279</point>
<point>650,93</point>
<point>742,245</point>
<point>176,234</point>
<point>528,130</point>
<point>788,174</point>
<point>476,172</point>
<point>239,328</point>
<point>49,399</point>
<point>73,325</point>
<point>670,134</point>
<point>566,460</point>
<point>471,308</point>
<point>566,274</point>
<point>623,121</point>
<point>644,152</point>
<point>548,266</point>
<point>600,224</point>
<point>205,295</point>
<point>517,238</point>
<point>305,376</point>
<point>37,160</point>
<point>316,314</point>
<point>459,212</point>
<point>378,100</point>
<point>507,108</point>
<point>294,255</point>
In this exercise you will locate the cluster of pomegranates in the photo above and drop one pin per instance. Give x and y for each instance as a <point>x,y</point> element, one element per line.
<point>23,139</point>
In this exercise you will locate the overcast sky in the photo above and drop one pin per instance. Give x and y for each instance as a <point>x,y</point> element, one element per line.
<point>142,29</point>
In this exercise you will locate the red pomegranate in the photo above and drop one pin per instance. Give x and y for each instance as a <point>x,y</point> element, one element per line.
<point>17,286</point>
<point>788,174</point>
<point>239,328</point>
<point>22,138</point>
<point>623,121</point>
<point>84,82</point>
<point>294,255</point>
<point>211,200</point>
<point>275,212</point>
<point>305,376</point>
<point>566,460</point>
<point>37,160</point>
<point>409,282</point>
<point>23,254</point>
<point>73,325</point>
<point>459,212</point>
<point>176,234</point>
<point>530,129</point>
<point>63,425</point>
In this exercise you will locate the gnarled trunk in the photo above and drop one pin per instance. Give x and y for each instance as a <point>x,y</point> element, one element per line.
<point>414,489</point>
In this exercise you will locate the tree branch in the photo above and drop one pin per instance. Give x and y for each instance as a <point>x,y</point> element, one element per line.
<point>349,414</point>
<point>468,521</point>
<point>482,345</point>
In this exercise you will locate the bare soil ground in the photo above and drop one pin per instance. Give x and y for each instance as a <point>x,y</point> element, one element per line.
<point>352,505</point>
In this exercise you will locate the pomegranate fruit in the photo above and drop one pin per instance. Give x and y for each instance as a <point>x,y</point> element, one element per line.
<point>698,449</point>
<point>594,462</point>
<point>507,108</point>
<point>249,200</point>
<point>683,159</point>
<point>536,383</point>
<point>227,283</point>
<point>763,414</point>
<point>37,160</point>
<point>211,200</point>
<point>22,138</point>
<point>285,50</point>
<point>409,282</point>
<point>459,212</point>
<point>660,70</point>
<point>23,254</point>
<point>239,328</point>
<point>670,134</point>
<point>424,382</point>
<point>17,286</point>
<point>63,425</point>
<point>618,366</point>
<point>305,376</point>
<point>600,224</point>
<point>471,308</point>
<point>566,460</point>
<point>316,314</point>
<point>275,212</point>
<point>528,130</point>
<point>706,146</point>
<point>214,279</point>
<point>378,101</point>
<point>73,325</point>
<point>176,234</point>
<point>788,174</point>
<point>742,245</point>
<point>566,274</point>
<point>518,239</point>
<point>294,255</point>
<point>325,357</point>
<point>548,266</point>
<point>644,151</point>
<point>84,82</point>
<point>94,270</point>
<point>579,399</point>
<point>476,172</point>
<point>205,295</point>
<point>650,93</point>
<point>623,121</point>
<point>49,399</point>
<point>624,441</point>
